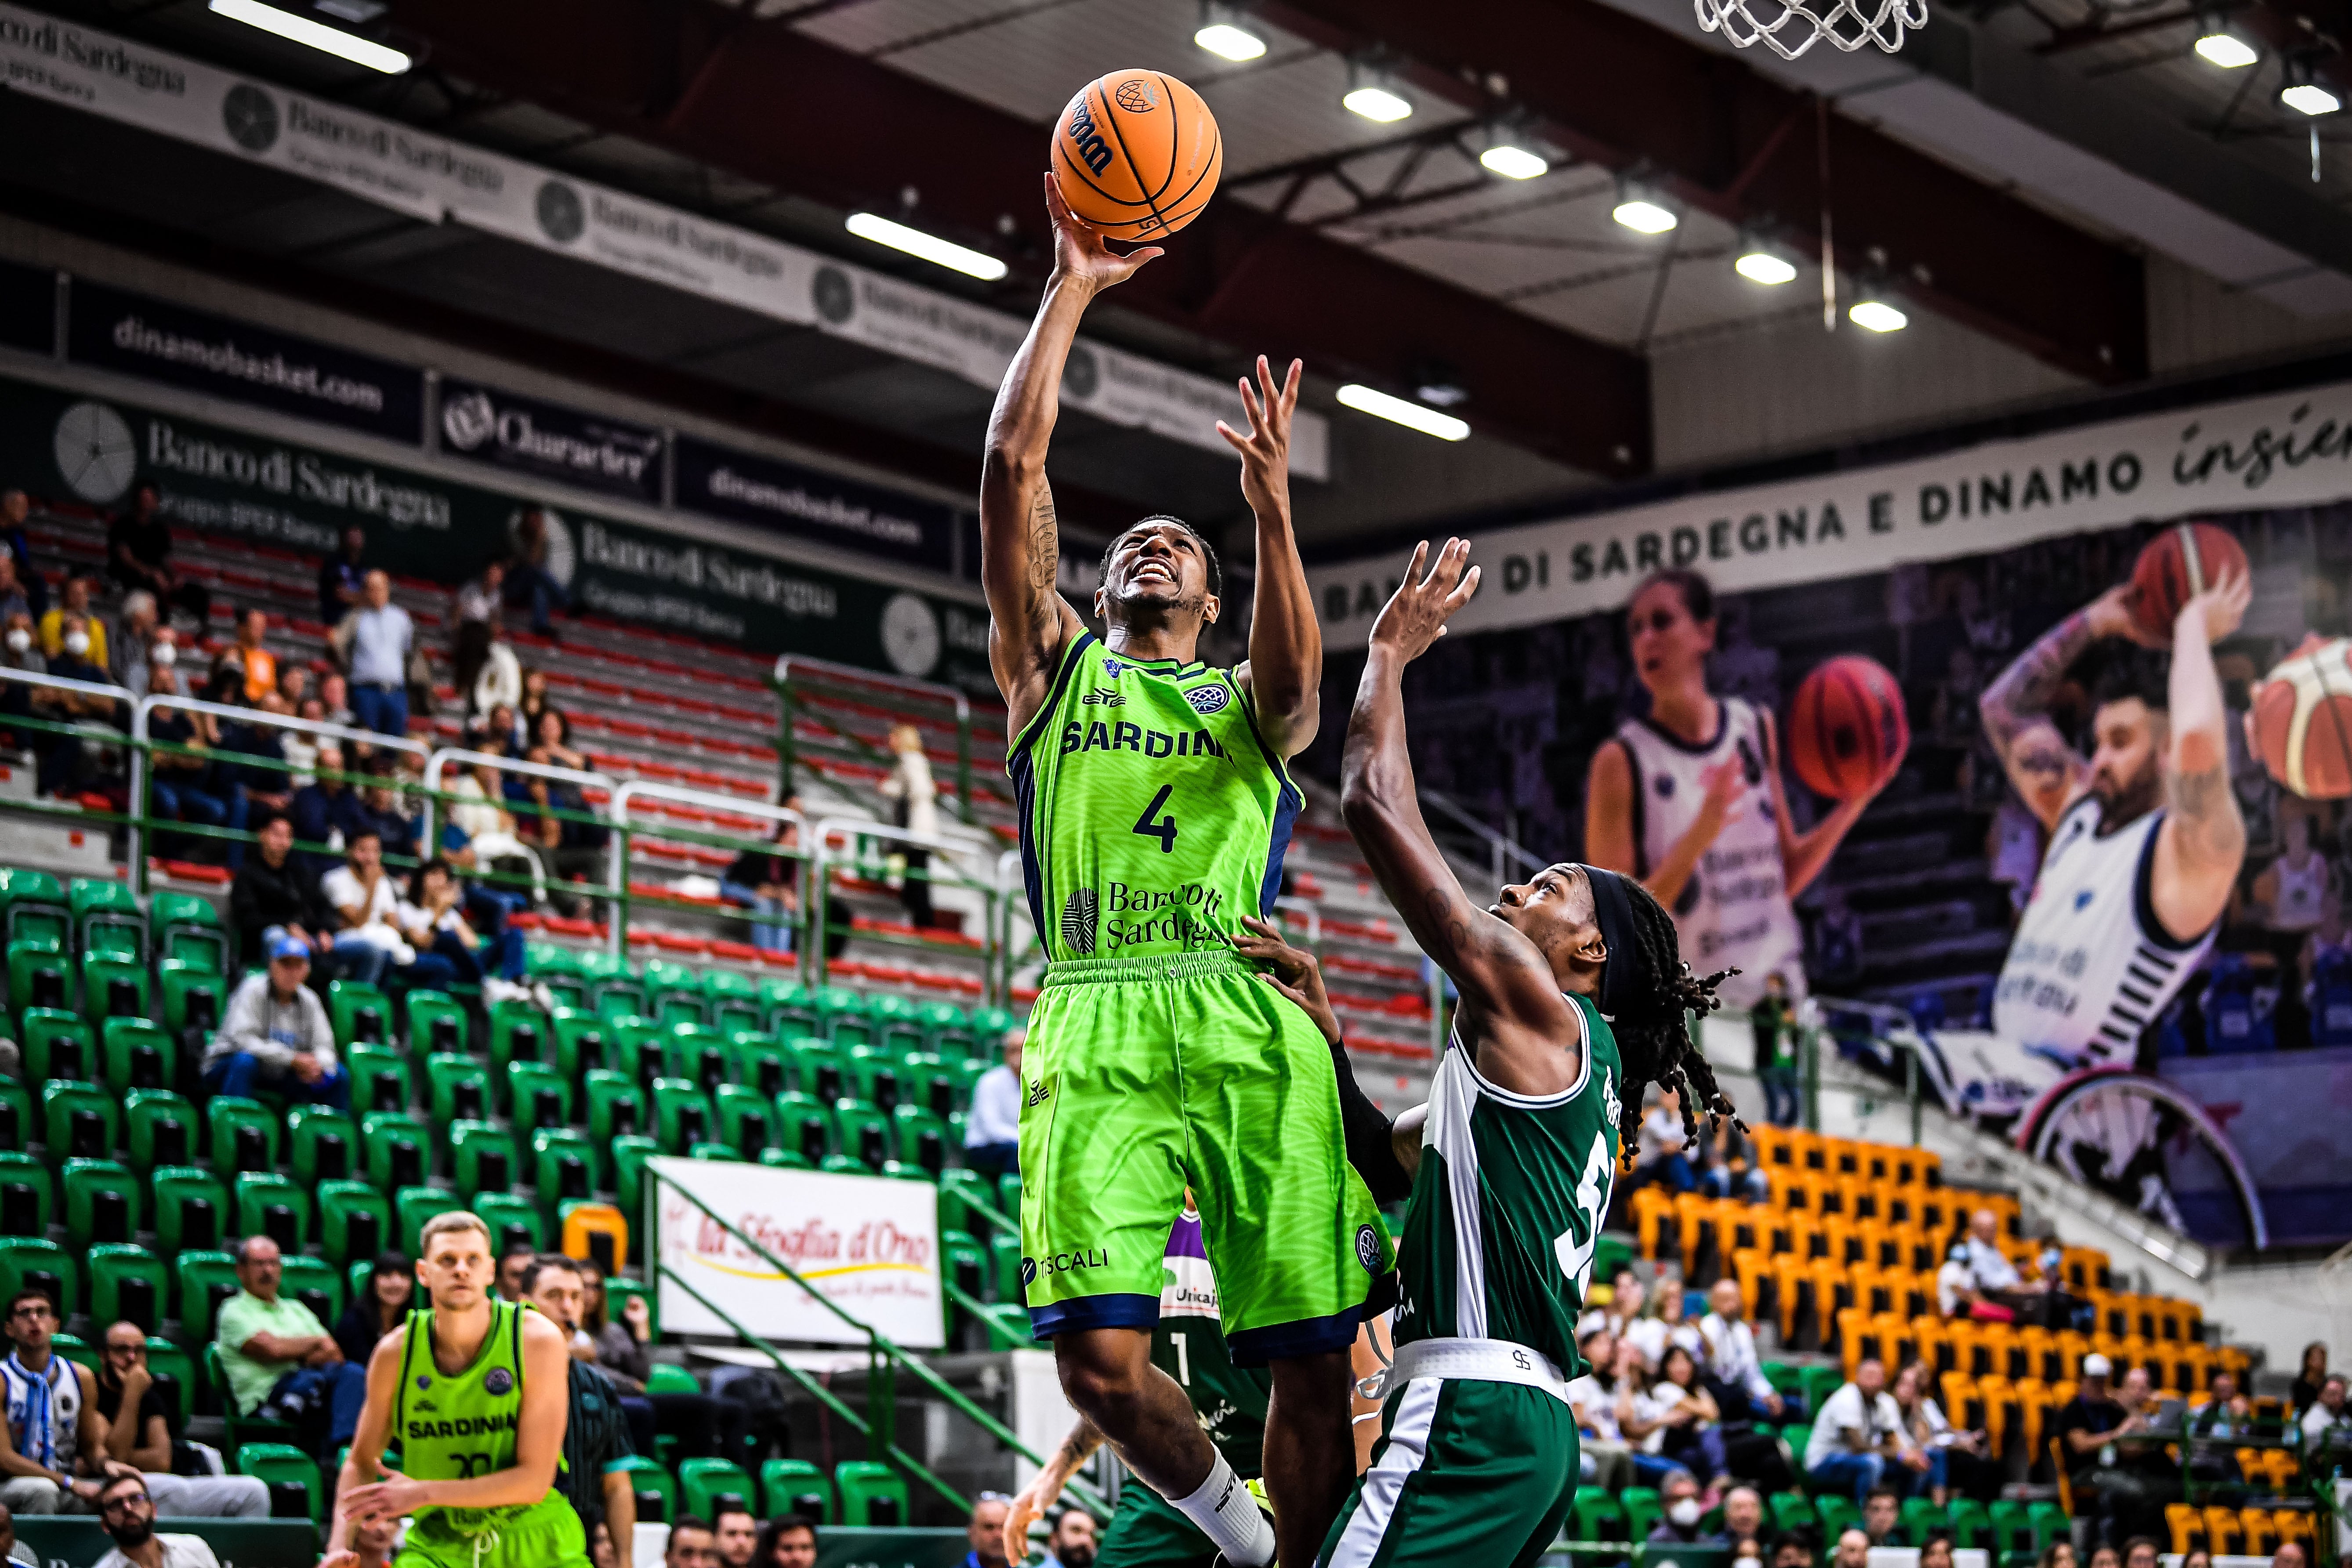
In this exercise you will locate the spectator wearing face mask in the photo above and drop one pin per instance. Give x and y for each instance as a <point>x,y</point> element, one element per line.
<point>65,759</point>
<point>143,645</point>
<point>1678,1522</point>
<point>19,649</point>
<point>75,602</point>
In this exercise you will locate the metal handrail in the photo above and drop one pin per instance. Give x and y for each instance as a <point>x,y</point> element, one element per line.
<point>821,860</point>
<point>849,674</point>
<point>617,871</point>
<point>878,1344</point>
<point>439,760</point>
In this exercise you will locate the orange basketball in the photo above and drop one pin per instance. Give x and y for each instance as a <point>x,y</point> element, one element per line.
<point>1137,154</point>
<point>1847,731</point>
<point>2302,720</point>
<point>2183,561</point>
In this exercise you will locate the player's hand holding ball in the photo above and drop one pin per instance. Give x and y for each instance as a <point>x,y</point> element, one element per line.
<point>2221,608</point>
<point>1080,254</point>
<point>1415,615</point>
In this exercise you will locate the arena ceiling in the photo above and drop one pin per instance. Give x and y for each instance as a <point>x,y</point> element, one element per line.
<point>2009,171</point>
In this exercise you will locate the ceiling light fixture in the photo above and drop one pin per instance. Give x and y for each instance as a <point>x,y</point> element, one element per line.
<point>929,247</point>
<point>1643,216</point>
<point>2218,45</point>
<point>1760,264</point>
<point>1228,41</point>
<point>1379,103</point>
<point>318,36</point>
<point>1877,316</point>
<point>1413,415</point>
<point>1514,161</point>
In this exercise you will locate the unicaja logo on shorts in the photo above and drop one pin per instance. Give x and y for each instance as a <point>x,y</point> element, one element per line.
<point>1368,1249</point>
<point>1078,918</point>
<point>1207,700</point>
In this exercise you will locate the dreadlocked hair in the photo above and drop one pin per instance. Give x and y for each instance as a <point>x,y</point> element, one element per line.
<point>1654,1034</point>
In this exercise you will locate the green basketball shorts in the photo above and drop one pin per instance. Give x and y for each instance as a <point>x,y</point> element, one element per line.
<point>1465,1471</point>
<point>1146,1075</point>
<point>1147,1532</point>
<point>547,1534</point>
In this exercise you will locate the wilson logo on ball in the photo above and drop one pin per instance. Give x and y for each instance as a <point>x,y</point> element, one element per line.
<point>1092,150</point>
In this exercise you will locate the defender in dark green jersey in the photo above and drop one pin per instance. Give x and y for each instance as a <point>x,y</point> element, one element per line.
<point>1515,1154</point>
<point>473,1394</point>
<point>1155,808</point>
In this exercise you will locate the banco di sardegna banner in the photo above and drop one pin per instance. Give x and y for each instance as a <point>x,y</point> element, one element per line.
<point>869,1243</point>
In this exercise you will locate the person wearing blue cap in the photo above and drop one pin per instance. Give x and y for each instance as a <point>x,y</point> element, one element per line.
<point>275,1035</point>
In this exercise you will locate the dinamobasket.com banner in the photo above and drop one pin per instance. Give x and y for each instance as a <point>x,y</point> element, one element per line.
<point>223,480</point>
<point>434,179</point>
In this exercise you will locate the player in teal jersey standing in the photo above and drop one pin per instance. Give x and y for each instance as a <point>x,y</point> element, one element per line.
<point>1515,1151</point>
<point>1155,807</point>
<point>474,1395</point>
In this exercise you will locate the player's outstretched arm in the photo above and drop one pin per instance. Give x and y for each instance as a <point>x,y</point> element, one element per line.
<point>2048,773</point>
<point>1046,1486</point>
<point>1020,544</point>
<point>364,1460</point>
<point>1504,980</point>
<point>1803,854</point>
<point>2202,844</point>
<point>1285,674</point>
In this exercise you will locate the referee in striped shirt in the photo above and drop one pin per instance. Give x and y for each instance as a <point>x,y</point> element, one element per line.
<point>595,1477</point>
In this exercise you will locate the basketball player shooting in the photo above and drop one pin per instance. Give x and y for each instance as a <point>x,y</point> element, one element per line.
<point>2145,841</point>
<point>1155,808</point>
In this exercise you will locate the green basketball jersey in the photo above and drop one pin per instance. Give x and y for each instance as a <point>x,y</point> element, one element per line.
<point>1153,816</point>
<point>1508,1201</point>
<point>1190,1346</point>
<point>452,1426</point>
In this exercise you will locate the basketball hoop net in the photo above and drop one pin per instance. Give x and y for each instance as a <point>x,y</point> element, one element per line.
<point>1792,26</point>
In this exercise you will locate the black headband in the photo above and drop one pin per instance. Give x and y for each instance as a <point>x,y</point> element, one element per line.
<point>1613,911</point>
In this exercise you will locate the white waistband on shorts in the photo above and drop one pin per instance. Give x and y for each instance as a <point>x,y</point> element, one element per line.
<point>1485,1361</point>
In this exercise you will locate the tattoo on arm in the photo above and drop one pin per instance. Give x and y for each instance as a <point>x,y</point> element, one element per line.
<point>2211,827</point>
<point>1448,921</point>
<point>2022,693</point>
<point>1045,545</point>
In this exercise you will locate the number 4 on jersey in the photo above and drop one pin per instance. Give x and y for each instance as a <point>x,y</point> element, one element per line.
<point>1592,1197</point>
<point>1164,829</point>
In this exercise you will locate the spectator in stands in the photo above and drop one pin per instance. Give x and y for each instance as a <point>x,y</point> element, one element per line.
<point>362,894</point>
<point>1791,1550</point>
<point>536,699</point>
<point>380,1307</point>
<point>1661,1158</point>
<point>182,773</point>
<point>914,806</point>
<point>1663,1324</point>
<point>15,508</point>
<point>1605,1459</point>
<point>1938,1553</point>
<point>787,1541</point>
<point>335,699</point>
<point>2327,1420</point>
<point>498,683</point>
<point>1617,1311</point>
<point>1731,1167</point>
<point>1990,1273</point>
<point>2117,1497</point>
<point>1956,1459</point>
<point>294,685</point>
<point>1673,1419</point>
<point>2304,1392</point>
<point>136,1416</point>
<point>992,1130</point>
<point>342,579</point>
<point>382,808</point>
<point>1955,1288</point>
<point>1774,1026</point>
<point>767,885</point>
<point>75,602</point>
<point>1857,1433</point>
<point>1881,1510</point>
<point>475,610</point>
<point>139,555</point>
<point>528,579</point>
<point>273,888</point>
<point>13,601</point>
<point>247,655</point>
<point>374,641</point>
<point>2061,1554</point>
<point>2224,1413</point>
<point>2288,1554</point>
<point>1728,1345</point>
<point>274,1035</point>
<point>59,758</point>
<point>595,1477</point>
<point>985,1531</point>
<point>2139,1551</point>
<point>1073,1540</point>
<point>691,1544</point>
<point>326,811</point>
<point>279,1360</point>
<point>702,1426</point>
<point>126,1510</point>
<point>1743,1519</point>
<point>514,1262</point>
<point>1680,1510</point>
<point>734,1533</point>
<point>143,646</point>
<point>53,1445</point>
<point>1853,1549</point>
<point>448,951</point>
<point>16,1552</point>
<point>19,650</point>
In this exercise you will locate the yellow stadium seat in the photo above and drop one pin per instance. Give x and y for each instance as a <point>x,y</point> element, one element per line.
<point>1858,1339</point>
<point>1752,1268</point>
<point>1776,1146</point>
<point>2001,1407</point>
<point>2072,1346</point>
<point>1963,1406</point>
<point>1860,1196</point>
<point>584,1222</point>
<point>2225,1533</point>
<point>2186,1526</point>
<point>1933,1335</point>
<point>2261,1535</point>
<point>2041,1350</point>
<point>2033,1407</point>
<point>1653,1213</point>
<point>1845,1155</point>
<point>2294,1524</point>
<point>1845,1243</point>
<point>1894,1330</point>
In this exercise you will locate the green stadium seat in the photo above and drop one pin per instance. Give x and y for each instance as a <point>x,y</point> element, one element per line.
<point>1008,1326</point>
<point>656,1491</point>
<point>965,1199</point>
<point>519,1032</point>
<point>242,1134</point>
<point>761,1062</point>
<point>437,1024</point>
<point>35,1263</point>
<point>803,1125</point>
<point>841,1018</point>
<point>664,1377</point>
<point>629,1157</point>
<point>284,1466</point>
<point>1971,1526</point>
<point>987,1028</point>
<point>864,1133</point>
<point>930,1083</point>
<point>681,1114</point>
<point>550,1147</point>
<point>101,1202</point>
<point>1921,1519</point>
<point>138,1054</point>
<point>188,930</point>
<point>673,994</point>
<point>242,1429</point>
<point>23,1194</point>
<point>786,1159</point>
<point>702,1482</point>
<point>38,977</point>
<point>877,1077</point>
<point>947,1030</point>
<point>509,1215</point>
<point>56,1044</point>
<point>192,1210</point>
<point>873,1496</point>
<point>608,977</point>
<point>324,1144</point>
<point>457,1087</point>
<point>730,1001</point>
<point>924,1139</point>
<point>316,1283</point>
<point>15,1115</point>
<point>712,1151</point>
<point>193,997</point>
<point>1008,1195</point>
<point>174,1371</point>
<point>1642,1512</point>
<point>526,1082</point>
<point>273,1206</point>
<point>637,1049</point>
<point>616,1106</point>
<point>126,1281</point>
<point>413,1206</point>
<point>746,1120</point>
<point>113,986</point>
<point>823,1071</point>
<point>963,1263</point>
<point>546,962</point>
<point>2050,1523</point>
<point>1004,1266</point>
<point>398,1149</point>
<point>79,1121</point>
<point>795,1485</point>
<point>201,1281</point>
<point>380,1078</point>
<point>698,1054</point>
<point>1793,1510</point>
<point>33,906</point>
<point>481,1157</point>
<point>788,1010</point>
<point>579,1041</point>
<point>107,919</point>
<point>1836,1513</point>
<point>354,1222</point>
<point>897,1028</point>
<point>359,1013</point>
<point>75,1349</point>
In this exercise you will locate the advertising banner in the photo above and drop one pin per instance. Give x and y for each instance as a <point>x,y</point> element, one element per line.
<point>802,503</point>
<point>28,308</point>
<point>548,441</point>
<point>869,1243</point>
<point>158,340</point>
<point>435,180</point>
<point>2287,449</point>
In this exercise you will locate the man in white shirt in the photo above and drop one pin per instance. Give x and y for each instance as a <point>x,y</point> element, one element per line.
<point>992,1130</point>
<point>1730,1345</point>
<point>1956,1283</point>
<point>1858,1432</point>
<point>127,1514</point>
<point>1989,1269</point>
<point>2327,1414</point>
<point>376,639</point>
<point>362,892</point>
